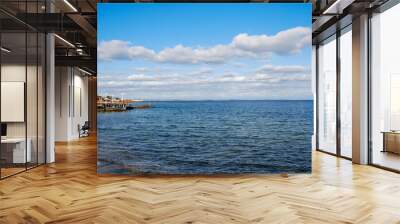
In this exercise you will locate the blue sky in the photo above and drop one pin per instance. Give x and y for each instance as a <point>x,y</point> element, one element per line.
<point>205,51</point>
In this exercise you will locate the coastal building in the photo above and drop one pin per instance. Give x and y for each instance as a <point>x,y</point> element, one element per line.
<point>110,104</point>
<point>49,89</point>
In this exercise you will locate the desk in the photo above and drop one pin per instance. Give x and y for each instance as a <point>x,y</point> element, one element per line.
<point>19,155</point>
<point>391,141</point>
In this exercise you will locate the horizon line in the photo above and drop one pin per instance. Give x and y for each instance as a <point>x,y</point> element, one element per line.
<point>230,100</point>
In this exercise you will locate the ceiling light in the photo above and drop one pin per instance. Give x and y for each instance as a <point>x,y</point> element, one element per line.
<point>70,5</point>
<point>5,50</point>
<point>65,41</point>
<point>337,7</point>
<point>84,71</point>
<point>330,8</point>
<point>79,51</point>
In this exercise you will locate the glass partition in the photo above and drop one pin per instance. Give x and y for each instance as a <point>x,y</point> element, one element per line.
<point>385,89</point>
<point>22,88</point>
<point>327,95</point>
<point>13,94</point>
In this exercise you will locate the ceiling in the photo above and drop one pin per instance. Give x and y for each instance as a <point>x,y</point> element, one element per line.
<point>73,21</point>
<point>332,15</point>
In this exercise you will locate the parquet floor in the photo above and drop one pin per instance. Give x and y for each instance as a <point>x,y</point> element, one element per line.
<point>69,191</point>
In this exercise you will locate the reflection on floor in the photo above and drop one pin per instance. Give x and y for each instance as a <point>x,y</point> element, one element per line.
<point>70,191</point>
<point>387,159</point>
<point>9,170</point>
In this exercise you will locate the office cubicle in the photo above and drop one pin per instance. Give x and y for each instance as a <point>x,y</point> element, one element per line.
<point>22,95</point>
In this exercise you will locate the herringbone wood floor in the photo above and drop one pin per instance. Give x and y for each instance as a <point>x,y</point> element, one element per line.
<point>69,191</point>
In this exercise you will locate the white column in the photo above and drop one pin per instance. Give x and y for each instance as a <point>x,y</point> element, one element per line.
<point>63,101</point>
<point>50,98</point>
<point>360,90</point>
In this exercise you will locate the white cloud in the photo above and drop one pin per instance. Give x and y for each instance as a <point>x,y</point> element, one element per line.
<point>118,49</point>
<point>269,74</point>
<point>140,78</point>
<point>141,69</point>
<point>243,45</point>
<point>287,69</point>
<point>284,42</point>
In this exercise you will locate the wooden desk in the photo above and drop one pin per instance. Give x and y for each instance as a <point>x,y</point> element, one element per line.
<point>391,141</point>
<point>16,147</point>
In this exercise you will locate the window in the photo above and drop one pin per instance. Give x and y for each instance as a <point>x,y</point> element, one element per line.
<point>385,89</point>
<point>327,95</point>
<point>346,93</point>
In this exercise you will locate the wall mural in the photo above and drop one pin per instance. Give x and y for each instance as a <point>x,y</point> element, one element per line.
<point>204,88</point>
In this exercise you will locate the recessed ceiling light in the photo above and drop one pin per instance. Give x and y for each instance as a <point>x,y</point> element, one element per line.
<point>70,5</point>
<point>337,7</point>
<point>5,50</point>
<point>84,71</point>
<point>64,40</point>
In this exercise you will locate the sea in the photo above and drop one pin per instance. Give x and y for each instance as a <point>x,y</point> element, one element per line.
<point>207,137</point>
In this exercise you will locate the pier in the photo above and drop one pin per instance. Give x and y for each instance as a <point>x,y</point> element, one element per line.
<point>115,104</point>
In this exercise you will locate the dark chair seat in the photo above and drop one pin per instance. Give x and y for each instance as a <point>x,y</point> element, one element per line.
<point>84,130</point>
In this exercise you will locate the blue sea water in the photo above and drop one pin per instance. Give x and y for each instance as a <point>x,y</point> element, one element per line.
<point>207,137</point>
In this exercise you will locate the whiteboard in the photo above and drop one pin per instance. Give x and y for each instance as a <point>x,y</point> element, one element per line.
<point>12,101</point>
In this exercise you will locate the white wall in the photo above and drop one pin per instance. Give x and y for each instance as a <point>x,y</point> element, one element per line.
<point>14,72</point>
<point>33,126</point>
<point>71,87</point>
<point>17,73</point>
<point>62,82</point>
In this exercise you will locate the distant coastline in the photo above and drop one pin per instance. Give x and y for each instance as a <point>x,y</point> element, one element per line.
<point>222,100</point>
<point>116,104</point>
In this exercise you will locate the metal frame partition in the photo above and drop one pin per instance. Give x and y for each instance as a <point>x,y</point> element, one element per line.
<point>335,30</point>
<point>34,49</point>
<point>338,76</point>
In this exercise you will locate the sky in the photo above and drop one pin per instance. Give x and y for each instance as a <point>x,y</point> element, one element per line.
<point>205,51</point>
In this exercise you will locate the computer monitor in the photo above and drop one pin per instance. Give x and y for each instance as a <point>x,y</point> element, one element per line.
<point>3,129</point>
